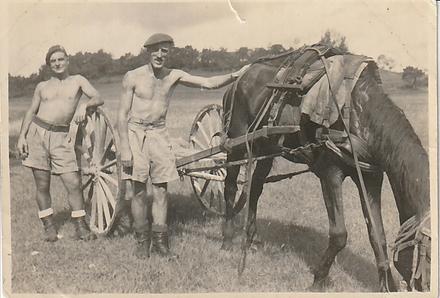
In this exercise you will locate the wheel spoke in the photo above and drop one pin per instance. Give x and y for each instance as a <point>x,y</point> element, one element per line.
<point>205,187</point>
<point>219,122</point>
<point>100,212</point>
<point>107,149</point>
<point>219,196</point>
<point>105,208</point>
<point>204,134</point>
<point>91,192</point>
<point>87,183</point>
<point>198,143</point>
<point>196,184</point>
<point>211,128</point>
<point>107,192</point>
<point>93,213</point>
<point>109,178</point>
<point>108,165</point>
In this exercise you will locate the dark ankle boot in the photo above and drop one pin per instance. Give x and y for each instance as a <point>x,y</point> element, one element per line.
<point>50,231</point>
<point>143,242</point>
<point>160,242</point>
<point>82,231</point>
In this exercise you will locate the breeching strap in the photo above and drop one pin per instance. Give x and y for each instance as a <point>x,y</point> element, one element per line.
<point>359,172</point>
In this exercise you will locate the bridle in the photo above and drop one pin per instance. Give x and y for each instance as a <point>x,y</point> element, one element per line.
<point>415,233</point>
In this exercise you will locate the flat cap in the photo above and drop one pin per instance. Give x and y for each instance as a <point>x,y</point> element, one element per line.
<point>53,49</point>
<point>158,38</point>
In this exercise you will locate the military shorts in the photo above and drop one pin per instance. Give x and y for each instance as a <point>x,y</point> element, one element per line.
<point>50,150</point>
<point>153,156</point>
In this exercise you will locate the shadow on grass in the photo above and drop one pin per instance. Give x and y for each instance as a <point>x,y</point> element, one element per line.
<point>310,245</point>
<point>184,208</point>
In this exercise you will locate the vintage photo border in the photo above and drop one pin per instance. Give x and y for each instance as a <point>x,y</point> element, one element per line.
<point>5,179</point>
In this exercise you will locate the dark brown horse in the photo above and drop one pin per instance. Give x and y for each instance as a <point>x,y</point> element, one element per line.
<point>390,140</point>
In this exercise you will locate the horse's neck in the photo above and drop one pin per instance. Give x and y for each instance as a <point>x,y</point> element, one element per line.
<point>398,151</point>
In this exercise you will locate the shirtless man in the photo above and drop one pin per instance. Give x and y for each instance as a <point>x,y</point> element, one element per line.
<point>45,144</point>
<point>145,146</point>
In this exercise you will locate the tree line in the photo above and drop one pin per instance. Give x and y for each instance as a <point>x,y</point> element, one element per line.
<point>102,64</point>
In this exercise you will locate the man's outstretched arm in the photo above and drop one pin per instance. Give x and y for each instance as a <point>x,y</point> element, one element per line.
<point>214,82</point>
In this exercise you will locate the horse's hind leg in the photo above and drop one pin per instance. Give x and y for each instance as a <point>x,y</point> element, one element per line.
<point>331,178</point>
<point>229,193</point>
<point>373,185</point>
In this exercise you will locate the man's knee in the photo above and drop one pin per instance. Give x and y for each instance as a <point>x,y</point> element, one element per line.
<point>72,182</point>
<point>160,193</point>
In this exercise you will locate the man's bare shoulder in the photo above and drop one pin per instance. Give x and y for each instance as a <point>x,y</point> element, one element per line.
<point>136,72</point>
<point>133,75</point>
<point>41,85</point>
<point>177,73</point>
<point>78,78</point>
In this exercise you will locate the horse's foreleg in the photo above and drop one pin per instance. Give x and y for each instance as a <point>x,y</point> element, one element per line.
<point>373,185</point>
<point>261,171</point>
<point>229,192</point>
<point>331,184</point>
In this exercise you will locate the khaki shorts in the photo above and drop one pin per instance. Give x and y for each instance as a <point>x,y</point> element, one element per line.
<point>50,151</point>
<point>153,156</point>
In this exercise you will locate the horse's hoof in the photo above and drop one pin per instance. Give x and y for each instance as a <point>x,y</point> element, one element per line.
<point>320,284</point>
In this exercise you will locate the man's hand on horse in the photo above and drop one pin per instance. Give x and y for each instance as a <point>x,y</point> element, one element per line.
<point>241,71</point>
<point>22,147</point>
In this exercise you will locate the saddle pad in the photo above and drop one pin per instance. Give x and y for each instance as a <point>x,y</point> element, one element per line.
<point>344,72</point>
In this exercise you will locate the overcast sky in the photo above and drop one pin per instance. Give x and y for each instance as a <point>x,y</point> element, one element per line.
<point>400,29</point>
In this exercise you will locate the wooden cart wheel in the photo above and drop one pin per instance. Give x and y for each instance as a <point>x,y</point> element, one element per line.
<point>209,185</point>
<point>100,168</point>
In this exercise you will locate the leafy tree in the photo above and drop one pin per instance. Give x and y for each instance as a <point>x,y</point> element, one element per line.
<point>243,55</point>
<point>384,62</point>
<point>335,40</point>
<point>412,76</point>
<point>276,49</point>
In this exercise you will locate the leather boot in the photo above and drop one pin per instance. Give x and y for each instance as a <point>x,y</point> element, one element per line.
<point>160,242</point>
<point>82,231</point>
<point>50,231</point>
<point>143,242</point>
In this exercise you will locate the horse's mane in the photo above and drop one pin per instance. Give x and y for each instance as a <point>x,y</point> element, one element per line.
<point>396,147</point>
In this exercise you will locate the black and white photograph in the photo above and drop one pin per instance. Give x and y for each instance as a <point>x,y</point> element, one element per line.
<point>237,148</point>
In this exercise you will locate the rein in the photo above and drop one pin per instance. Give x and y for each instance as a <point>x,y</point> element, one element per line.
<point>358,169</point>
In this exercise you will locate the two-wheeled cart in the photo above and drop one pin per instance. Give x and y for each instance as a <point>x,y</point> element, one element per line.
<point>100,164</point>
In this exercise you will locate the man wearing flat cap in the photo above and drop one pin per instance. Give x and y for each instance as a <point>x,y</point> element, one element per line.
<point>46,145</point>
<point>145,147</point>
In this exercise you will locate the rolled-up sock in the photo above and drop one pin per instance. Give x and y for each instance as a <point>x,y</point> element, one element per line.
<point>45,212</point>
<point>78,213</point>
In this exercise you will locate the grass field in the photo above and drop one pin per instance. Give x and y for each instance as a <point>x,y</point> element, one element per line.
<point>292,227</point>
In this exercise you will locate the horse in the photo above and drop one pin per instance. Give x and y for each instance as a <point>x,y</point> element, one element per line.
<point>390,140</point>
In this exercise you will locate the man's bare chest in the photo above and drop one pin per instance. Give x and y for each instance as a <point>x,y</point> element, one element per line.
<point>150,88</point>
<point>60,90</point>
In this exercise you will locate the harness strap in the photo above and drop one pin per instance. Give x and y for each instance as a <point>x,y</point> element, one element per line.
<point>382,254</point>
